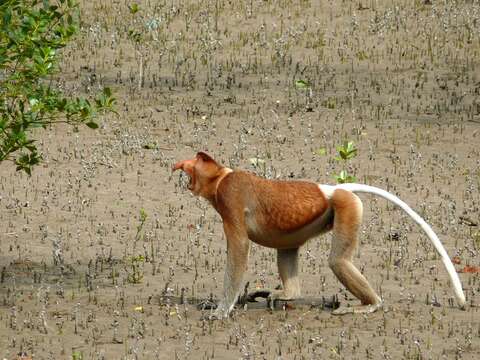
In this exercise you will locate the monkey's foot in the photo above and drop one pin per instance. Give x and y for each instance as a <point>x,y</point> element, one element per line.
<point>279,295</point>
<point>359,309</point>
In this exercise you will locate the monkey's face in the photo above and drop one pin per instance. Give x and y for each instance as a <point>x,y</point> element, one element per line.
<point>202,170</point>
<point>188,167</point>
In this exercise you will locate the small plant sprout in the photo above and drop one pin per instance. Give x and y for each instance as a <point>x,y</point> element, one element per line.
<point>134,264</point>
<point>343,177</point>
<point>139,235</point>
<point>302,85</point>
<point>135,273</point>
<point>133,8</point>
<point>305,86</point>
<point>346,152</point>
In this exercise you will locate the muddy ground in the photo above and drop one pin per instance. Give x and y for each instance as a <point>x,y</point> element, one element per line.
<point>273,87</point>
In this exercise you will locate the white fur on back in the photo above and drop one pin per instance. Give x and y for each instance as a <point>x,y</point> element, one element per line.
<point>327,190</point>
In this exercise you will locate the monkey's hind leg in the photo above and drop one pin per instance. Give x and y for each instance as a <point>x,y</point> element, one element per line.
<point>287,261</point>
<point>348,216</point>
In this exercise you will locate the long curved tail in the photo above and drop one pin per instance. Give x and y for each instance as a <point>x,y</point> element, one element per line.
<point>457,286</point>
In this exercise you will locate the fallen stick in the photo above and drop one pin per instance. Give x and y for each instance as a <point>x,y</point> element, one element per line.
<point>251,302</point>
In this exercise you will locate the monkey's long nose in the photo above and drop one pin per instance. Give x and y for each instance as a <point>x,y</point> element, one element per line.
<point>185,165</point>
<point>178,165</point>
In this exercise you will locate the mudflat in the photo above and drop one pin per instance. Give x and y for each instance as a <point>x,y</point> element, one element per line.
<point>101,244</point>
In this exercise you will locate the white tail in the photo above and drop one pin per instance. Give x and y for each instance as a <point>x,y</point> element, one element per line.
<point>457,286</point>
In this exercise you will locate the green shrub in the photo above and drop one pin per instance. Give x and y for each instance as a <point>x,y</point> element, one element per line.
<point>32,33</point>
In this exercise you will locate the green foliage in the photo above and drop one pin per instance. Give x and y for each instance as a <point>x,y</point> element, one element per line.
<point>32,33</point>
<point>346,152</point>
<point>361,55</point>
<point>133,8</point>
<point>77,355</point>
<point>302,84</point>
<point>135,263</point>
<point>135,34</point>
<point>344,177</point>
<point>135,274</point>
<point>330,103</point>
<point>143,218</point>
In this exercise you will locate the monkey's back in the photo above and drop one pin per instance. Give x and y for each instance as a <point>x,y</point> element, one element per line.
<point>290,205</point>
<point>277,204</point>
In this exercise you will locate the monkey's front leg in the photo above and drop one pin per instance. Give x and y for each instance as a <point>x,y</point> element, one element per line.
<point>238,246</point>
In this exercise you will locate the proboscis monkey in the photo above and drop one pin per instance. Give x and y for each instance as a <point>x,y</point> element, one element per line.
<point>283,215</point>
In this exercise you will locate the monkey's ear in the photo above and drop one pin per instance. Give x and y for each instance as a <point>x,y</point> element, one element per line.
<point>204,156</point>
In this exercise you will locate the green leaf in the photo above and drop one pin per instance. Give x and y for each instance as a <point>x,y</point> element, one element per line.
<point>346,151</point>
<point>134,35</point>
<point>7,17</point>
<point>143,215</point>
<point>26,161</point>
<point>33,102</point>
<point>149,146</point>
<point>107,92</point>
<point>301,84</point>
<point>344,177</point>
<point>77,355</point>
<point>3,123</point>
<point>92,125</point>
<point>134,8</point>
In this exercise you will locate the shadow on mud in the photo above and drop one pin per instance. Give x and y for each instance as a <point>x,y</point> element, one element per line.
<point>29,275</point>
<point>24,275</point>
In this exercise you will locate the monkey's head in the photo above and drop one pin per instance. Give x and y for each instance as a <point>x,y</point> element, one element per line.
<point>203,171</point>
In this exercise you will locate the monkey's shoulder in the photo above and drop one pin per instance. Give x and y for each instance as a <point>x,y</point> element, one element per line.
<point>230,193</point>
<point>235,182</point>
